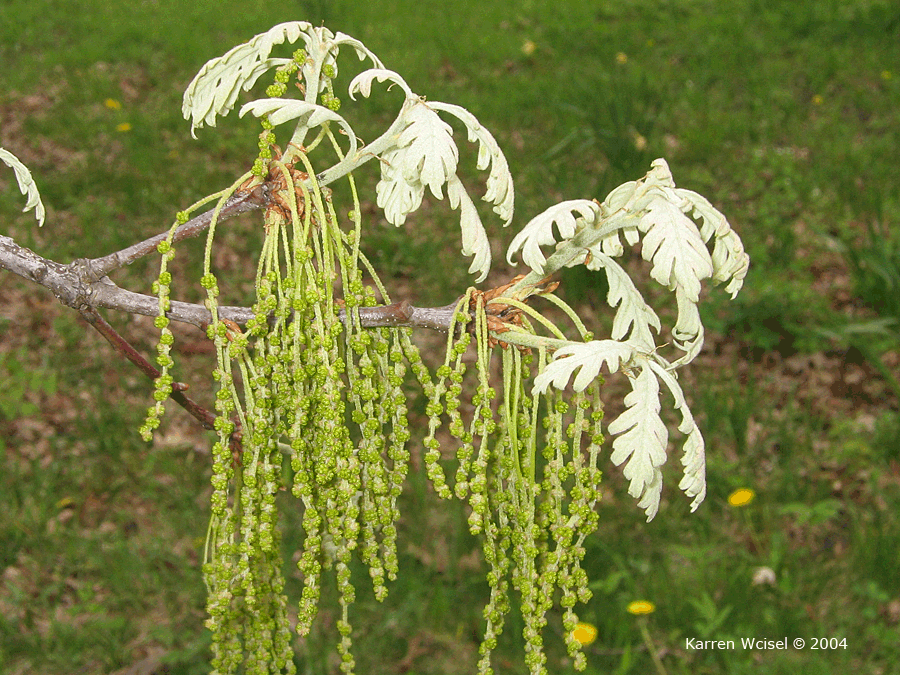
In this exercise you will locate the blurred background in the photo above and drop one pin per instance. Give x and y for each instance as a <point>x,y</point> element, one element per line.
<point>785,115</point>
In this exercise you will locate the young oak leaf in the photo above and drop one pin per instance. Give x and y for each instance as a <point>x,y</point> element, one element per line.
<point>730,261</point>
<point>694,454</point>
<point>340,40</point>
<point>615,208</point>
<point>641,439</point>
<point>474,238</point>
<point>280,110</point>
<point>428,152</point>
<point>214,89</point>
<point>362,83</point>
<point>626,204</point>
<point>499,183</point>
<point>539,230</point>
<point>693,459</point>
<point>641,435</point>
<point>26,185</point>
<point>394,193</point>
<point>588,358</point>
<point>634,317</point>
<point>680,261</point>
<point>673,244</point>
<point>423,154</point>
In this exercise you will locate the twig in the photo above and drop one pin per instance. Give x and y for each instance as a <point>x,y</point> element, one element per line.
<point>76,285</point>
<point>240,202</point>
<point>84,286</point>
<point>121,345</point>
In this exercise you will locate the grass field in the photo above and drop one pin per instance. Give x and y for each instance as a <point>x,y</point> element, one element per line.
<point>785,115</point>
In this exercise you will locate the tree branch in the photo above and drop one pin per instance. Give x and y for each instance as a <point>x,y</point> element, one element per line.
<point>84,286</point>
<point>121,345</point>
<point>83,283</point>
<point>240,202</point>
<point>205,417</point>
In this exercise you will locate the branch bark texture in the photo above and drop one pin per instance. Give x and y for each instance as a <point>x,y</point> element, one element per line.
<point>84,283</point>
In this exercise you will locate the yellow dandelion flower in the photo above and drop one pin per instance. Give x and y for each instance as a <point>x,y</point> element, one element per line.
<point>621,57</point>
<point>65,503</point>
<point>584,633</point>
<point>124,126</point>
<point>741,497</point>
<point>641,607</point>
<point>112,104</point>
<point>528,47</point>
<point>886,74</point>
<point>817,99</point>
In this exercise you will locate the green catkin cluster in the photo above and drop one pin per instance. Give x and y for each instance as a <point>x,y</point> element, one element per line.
<point>311,403</point>
<point>453,369</point>
<point>161,289</point>
<point>320,400</point>
<point>527,465</point>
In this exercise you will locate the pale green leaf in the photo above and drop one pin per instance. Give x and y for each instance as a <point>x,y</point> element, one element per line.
<point>474,238</point>
<point>500,190</point>
<point>280,110</point>
<point>539,230</point>
<point>641,439</point>
<point>673,244</point>
<point>694,455</point>
<point>214,90</point>
<point>362,83</point>
<point>26,185</point>
<point>423,154</point>
<point>429,154</point>
<point>634,317</point>
<point>363,52</point>
<point>397,196</point>
<point>730,261</point>
<point>587,358</point>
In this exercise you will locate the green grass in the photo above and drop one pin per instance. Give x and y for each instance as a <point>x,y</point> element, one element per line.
<point>786,115</point>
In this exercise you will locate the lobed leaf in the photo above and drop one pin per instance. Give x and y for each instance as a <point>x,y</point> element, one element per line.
<point>363,52</point>
<point>641,439</point>
<point>362,83</point>
<point>641,436</point>
<point>539,230</point>
<point>500,190</point>
<point>694,455</point>
<point>673,244</point>
<point>397,196</point>
<point>474,239</point>
<point>429,154</point>
<point>730,261</point>
<point>423,154</point>
<point>588,358</point>
<point>280,110</point>
<point>214,89</point>
<point>27,186</point>
<point>635,317</point>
